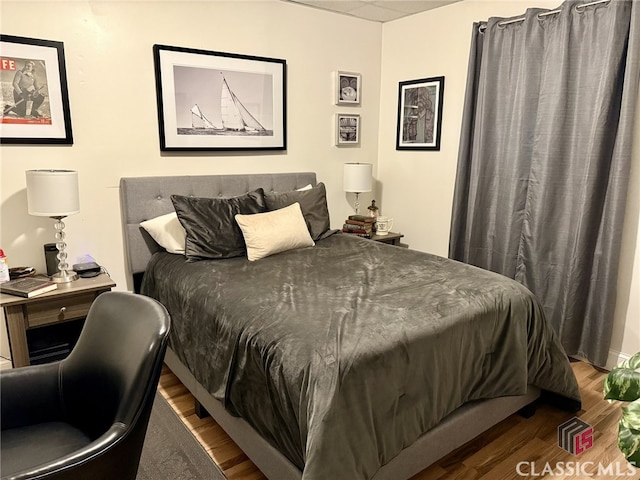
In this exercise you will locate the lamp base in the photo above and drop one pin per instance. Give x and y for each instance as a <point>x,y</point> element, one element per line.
<point>64,277</point>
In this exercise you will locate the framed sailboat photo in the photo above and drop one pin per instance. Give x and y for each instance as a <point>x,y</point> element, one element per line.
<point>219,101</point>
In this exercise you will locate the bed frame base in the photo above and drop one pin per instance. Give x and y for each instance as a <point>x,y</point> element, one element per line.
<point>269,460</point>
<point>461,426</point>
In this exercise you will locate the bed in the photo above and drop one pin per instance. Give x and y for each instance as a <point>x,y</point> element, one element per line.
<point>345,358</point>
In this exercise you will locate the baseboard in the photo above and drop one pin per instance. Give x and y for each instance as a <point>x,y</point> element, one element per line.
<point>615,358</point>
<point>5,363</point>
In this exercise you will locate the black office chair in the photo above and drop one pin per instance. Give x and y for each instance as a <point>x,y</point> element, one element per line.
<point>85,417</point>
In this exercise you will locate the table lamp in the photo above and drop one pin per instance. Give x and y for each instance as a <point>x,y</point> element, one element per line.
<point>357,179</point>
<point>54,193</point>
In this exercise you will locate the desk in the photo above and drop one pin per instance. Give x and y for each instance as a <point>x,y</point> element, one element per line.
<point>70,301</point>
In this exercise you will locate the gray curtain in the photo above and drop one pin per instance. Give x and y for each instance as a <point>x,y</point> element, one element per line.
<point>544,160</point>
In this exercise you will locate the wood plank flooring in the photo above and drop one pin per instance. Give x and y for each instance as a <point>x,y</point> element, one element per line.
<point>493,455</point>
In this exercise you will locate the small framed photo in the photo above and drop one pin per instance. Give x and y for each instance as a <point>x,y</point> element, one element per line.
<point>347,129</point>
<point>219,101</point>
<point>420,114</point>
<point>34,98</point>
<point>348,88</point>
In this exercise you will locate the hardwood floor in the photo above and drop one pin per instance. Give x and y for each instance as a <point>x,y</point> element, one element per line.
<point>493,455</point>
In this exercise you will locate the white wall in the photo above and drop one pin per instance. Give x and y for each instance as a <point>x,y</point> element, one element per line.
<point>108,51</point>
<point>417,187</point>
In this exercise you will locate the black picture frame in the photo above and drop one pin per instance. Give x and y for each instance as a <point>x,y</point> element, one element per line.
<point>39,113</point>
<point>420,105</point>
<point>217,101</point>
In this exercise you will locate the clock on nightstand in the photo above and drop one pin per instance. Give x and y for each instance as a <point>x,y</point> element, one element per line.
<point>45,328</point>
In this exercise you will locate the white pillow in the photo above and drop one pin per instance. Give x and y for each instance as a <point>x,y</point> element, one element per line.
<point>274,232</point>
<point>305,188</point>
<point>167,231</point>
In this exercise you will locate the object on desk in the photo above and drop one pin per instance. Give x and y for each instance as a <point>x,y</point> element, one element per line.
<point>21,272</point>
<point>349,227</point>
<point>373,210</point>
<point>361,218</point>
<point>358,179</point>
<point>360,225</point>
<point>360,233</point>
<point>357,222</point>
<point>87,270</point>
<point>4,268</point>
<point>51,258</point>
<point>55,194</point>
<point>27,287</point>
<point>383,225</point>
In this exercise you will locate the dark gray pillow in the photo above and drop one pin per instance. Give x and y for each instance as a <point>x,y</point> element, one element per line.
<point>212,231</point>
<point>313,203</point>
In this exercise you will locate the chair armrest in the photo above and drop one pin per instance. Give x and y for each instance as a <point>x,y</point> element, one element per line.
<point>29,395</point>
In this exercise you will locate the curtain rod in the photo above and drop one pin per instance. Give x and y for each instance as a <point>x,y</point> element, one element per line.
<point>540,15</point>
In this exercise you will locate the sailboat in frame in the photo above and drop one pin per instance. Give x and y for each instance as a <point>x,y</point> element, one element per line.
<point>199,120</point>
<point>235,117</point>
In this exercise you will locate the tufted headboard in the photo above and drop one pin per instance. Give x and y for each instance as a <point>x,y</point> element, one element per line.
<point>143,198</point>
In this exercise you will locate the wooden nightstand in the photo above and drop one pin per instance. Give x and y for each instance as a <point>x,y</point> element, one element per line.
<point>55,316</point>
<point>391,238</point>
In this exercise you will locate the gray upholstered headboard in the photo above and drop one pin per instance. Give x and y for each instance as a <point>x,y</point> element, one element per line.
<point>142,198</point>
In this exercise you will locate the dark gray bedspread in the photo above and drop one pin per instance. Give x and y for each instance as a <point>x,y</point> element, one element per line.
<point>344,353</point>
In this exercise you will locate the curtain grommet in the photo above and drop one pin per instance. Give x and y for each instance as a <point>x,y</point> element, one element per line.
<point>582,7</point>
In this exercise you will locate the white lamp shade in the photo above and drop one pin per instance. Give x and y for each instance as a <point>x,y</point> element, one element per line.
<point>52,193</point>
<point>358,177</point>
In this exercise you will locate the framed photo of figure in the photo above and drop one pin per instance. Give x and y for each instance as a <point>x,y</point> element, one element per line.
<point>347,129</point>
<point>34,98</point>
<point>420,114</point>
<point>348,88</point>
<point>211,100</point>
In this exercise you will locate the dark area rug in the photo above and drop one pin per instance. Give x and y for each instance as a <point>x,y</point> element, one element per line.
<point>171,452</point>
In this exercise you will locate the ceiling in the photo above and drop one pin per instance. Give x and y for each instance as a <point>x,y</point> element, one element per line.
<point>375,10</point>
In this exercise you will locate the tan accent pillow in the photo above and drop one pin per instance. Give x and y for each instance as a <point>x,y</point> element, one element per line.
<point>274,232</point>
<point>167,231</point>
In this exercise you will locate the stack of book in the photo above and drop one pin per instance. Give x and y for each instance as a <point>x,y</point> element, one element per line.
<point>360,225</point>
<point>27,287</point>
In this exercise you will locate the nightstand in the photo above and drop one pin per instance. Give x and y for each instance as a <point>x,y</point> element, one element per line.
<point>45,327</point>
<point>391,238</point>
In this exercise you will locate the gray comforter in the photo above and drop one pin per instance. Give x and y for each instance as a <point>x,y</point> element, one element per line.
<point>344,353</point>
